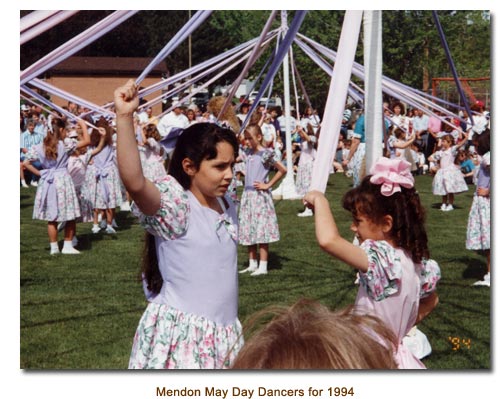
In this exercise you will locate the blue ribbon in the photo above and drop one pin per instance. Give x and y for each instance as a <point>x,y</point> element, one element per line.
<point>280,54</point>
<point>452,65</point>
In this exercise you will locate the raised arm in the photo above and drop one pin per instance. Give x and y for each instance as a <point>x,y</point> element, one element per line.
<point>100,145</point>
<point>85,141</point>
<point>328,236</point>
<point>145,194</point>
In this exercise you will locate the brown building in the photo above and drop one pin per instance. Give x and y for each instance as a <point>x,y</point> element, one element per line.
<point>95,78</point>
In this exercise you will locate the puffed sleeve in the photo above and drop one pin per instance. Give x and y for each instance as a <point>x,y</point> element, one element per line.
<point>429,274</point>
<point>69,145</point>
<point>33,153</point>
<point>268,159</point>
<point>171,220</point>
<point>383,277</point>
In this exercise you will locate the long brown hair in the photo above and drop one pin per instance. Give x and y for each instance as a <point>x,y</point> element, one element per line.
<point>307,335</point>
<point>52,138</point>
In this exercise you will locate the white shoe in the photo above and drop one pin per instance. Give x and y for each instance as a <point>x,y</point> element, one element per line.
<point>96,229</point>
<point>125,206</point>
<point>110,230</point>
<point>258,272</point>
<point>34,183</point>
<point>248,269</point>
<point>307,212</point>
<point>54,251</point>
<point>113,224</point>
<point>23,183</point>
<point>449,207</point>
<point>484,282</point>
<point>443,207</point>
<point>70,251</point>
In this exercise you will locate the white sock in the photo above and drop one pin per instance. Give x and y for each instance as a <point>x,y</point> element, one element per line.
<point>68,244</point>
<point>253,263</point>
<point>263,265</point>
<point>54,246</point>
<point>23,181</point>
<point>96,225</point>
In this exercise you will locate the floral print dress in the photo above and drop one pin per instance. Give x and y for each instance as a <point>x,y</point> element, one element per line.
<point>56,199</point>
<point>391,289</point>
<point>192,322</point>
<point>258,223</point>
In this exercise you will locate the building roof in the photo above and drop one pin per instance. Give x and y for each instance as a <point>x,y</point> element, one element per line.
<point>86,66</point>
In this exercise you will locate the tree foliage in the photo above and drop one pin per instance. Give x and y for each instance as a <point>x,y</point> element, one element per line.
<point>412,51</point>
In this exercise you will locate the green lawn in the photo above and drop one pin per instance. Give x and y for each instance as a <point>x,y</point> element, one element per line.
<point>80,312</point>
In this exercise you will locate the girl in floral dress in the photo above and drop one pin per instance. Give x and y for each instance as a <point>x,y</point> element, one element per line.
<point>478,228</point>
<point>397,278</point>
<point>56,200</point>
<point>448,180</point>
<point>154,155</point>
<point>103,186</point>
<point>258,221</point>
<point>190,265</point>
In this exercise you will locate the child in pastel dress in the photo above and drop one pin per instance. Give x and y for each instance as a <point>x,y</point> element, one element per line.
<point>103,185</point>
<point>154,154</point>
<point>306,163</point>
<point>56,199</point>
<point>190,272</point>
<point>478,227</point>
<point>397,279</point>
<point>448,179</point>
<point>258,221</point>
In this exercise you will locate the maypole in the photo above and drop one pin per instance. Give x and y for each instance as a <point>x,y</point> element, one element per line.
<point>286,189</point>
<point>372,28</point>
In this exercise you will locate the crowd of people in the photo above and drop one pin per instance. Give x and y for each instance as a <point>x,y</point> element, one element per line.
<point>181,173</point>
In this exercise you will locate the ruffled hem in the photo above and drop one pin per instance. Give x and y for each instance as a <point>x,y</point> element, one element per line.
<point>167,338</point>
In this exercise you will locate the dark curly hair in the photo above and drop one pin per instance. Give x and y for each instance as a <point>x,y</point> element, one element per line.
<point>405,208</point>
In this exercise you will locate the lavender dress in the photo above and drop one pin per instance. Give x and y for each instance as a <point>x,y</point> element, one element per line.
<point>193,322</point>
<point>103,185</point>
<point>258,220</point>
<point>56,199</point>
<point>478,227</point>
<point>391,290</point>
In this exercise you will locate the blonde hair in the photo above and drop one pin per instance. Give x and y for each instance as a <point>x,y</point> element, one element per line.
<point>255,130</point>
<point>308,335</point>
<point>215,105</point>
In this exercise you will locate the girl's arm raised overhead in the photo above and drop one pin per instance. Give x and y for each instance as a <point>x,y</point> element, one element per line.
<point>100,145</point>
<point>143,192</point>
<point>328,236</point>
<point>85,141</point>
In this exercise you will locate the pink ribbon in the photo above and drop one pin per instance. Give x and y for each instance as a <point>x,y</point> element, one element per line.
<point>391,174</point>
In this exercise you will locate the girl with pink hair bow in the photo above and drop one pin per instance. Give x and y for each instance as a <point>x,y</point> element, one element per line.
<point>397,278</point>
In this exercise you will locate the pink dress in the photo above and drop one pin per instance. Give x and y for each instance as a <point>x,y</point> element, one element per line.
<point>391,289</point>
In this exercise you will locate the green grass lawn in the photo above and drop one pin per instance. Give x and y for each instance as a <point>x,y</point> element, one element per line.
<point>81,312</point>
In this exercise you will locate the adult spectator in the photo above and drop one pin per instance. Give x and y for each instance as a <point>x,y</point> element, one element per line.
<point>28,139</point>
<point>174,119</point>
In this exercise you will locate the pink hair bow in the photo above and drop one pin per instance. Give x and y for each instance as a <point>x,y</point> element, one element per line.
<point>391,174</point>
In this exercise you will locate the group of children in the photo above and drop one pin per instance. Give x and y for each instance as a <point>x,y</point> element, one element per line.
<point>194,226</point>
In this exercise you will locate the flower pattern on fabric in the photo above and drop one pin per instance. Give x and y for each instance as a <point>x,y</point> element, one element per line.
<point>170,339</point>
<point>429,274</point>
<point>383,277</point>
<point>171,219</point>
<point>224,221</point>
<point>268,159</point>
